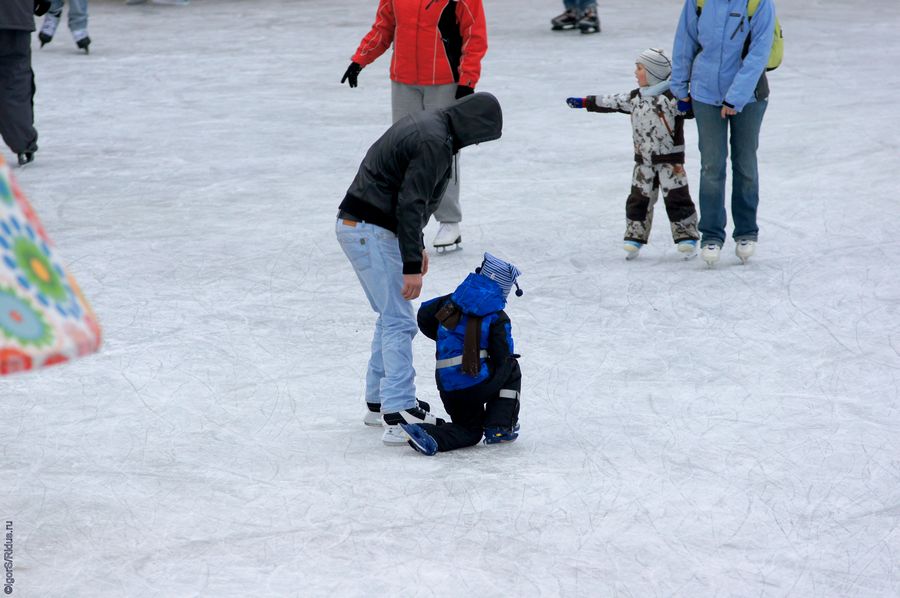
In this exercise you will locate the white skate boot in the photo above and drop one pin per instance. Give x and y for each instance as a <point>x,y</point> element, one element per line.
<point>373,415</point>
<point>687,249</point>
<point>447,237</point>
<point>710,254</point>
<point>632,249</point>
<point>745,249</point>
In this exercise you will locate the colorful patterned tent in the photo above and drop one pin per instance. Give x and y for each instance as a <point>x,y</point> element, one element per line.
<point>44,318</point>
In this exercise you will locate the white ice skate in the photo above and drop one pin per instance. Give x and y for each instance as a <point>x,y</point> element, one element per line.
<point>373,418</point>
<point>687,249</point>
<point>447,237</point>
<point>710,254</point>
<point>394,436</point>
<point>744,249</point>
<point>632,249</point>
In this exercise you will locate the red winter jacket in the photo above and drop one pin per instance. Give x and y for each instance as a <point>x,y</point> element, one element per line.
<point>436,42</point>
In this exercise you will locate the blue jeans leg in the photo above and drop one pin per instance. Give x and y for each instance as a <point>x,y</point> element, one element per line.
<point>712,132</point>
<point>374,254</point>
<point>745,128</point>
<point>78,13</point>
<point>579,6</point>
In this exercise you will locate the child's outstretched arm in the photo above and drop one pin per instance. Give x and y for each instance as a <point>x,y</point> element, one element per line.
<point>620,102</point>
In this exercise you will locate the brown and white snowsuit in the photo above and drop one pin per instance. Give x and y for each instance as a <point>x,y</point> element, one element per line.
<point>658,129</point>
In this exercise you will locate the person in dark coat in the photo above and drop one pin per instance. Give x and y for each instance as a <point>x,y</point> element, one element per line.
<point>379,226</point>
<point>476,368</point>
<point>17,78</point>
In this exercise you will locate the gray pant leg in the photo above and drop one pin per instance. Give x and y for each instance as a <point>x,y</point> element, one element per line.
<point>449,210</point>
<point>407,99</point>
<point>17,91</point>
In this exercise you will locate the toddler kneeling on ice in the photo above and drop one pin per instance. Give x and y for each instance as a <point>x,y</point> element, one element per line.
<point>477,371</point>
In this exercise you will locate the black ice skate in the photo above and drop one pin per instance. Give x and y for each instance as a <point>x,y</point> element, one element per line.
<point>567,20</point>
<point>589,22</point>
<point>413,415</point>
<point>82,40</point>
<point>447,237</point>
<point>48,28</point>
<point>25,158</point>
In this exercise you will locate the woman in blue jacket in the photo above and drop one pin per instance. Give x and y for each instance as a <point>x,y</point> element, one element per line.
<point>719,65</point>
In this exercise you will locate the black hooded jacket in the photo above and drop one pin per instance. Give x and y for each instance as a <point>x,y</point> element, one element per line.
<point>401,180</point>
<point>17,15</point>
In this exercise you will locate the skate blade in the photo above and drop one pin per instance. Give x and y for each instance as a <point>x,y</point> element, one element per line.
<point>441,249</point>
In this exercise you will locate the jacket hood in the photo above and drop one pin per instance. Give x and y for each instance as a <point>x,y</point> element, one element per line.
<point>478,295</point>
<point>474,119</point>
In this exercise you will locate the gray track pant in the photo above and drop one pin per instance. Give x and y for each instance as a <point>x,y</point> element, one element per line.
<point>407,99</point>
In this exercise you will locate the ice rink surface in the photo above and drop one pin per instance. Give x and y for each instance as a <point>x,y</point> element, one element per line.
<point>686,432</point>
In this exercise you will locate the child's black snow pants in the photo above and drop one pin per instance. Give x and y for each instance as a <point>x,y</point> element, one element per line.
<point>471,412</point>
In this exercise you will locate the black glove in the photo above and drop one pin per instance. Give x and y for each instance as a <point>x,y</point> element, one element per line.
<point>351,73</point>
<point>463,90</point>
<point>41,7</point>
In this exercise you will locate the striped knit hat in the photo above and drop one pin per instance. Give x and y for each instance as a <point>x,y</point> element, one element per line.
<point>657,65</point>
<point>503,273</point>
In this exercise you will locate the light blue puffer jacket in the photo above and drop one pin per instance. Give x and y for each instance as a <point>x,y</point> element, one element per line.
<point>706,58</point>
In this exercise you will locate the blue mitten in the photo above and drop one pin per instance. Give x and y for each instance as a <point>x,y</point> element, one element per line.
<point>684,106</point>
<point>575,102</point>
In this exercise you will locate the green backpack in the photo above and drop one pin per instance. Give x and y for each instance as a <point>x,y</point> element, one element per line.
<point>777,52</point>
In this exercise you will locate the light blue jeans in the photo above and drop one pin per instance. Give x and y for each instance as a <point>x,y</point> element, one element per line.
<point>713,134</point>
<point>78,13</point>
<point>374,253</point>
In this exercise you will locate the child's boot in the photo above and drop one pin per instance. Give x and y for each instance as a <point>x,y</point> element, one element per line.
<point>48,29</point>
<point>632,248</point>
<point>687,248</point>
<point>495,435</point>
<point>420,440</point>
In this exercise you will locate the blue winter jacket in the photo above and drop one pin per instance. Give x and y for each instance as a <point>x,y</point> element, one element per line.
<point>707,61</point>
<point>479,297</point>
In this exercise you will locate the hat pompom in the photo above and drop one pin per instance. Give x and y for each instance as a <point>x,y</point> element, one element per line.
<point>501,272</point>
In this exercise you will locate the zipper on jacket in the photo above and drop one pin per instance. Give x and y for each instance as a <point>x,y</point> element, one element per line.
<point>739,27</point>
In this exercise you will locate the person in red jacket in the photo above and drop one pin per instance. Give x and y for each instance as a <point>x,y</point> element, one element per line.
<point>438,47</point>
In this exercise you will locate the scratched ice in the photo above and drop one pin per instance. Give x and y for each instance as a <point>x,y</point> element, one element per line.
<point>685,431</point>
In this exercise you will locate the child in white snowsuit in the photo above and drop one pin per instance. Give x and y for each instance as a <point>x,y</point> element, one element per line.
<point>477,371</point>
<point>658,131</point>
